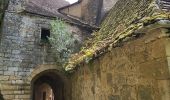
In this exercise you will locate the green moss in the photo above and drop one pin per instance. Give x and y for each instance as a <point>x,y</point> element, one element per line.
<point>117,26</point>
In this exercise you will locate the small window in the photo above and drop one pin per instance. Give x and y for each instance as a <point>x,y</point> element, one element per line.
<point>45,33</point>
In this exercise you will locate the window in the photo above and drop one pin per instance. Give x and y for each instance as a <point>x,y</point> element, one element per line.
<point>45,33</point>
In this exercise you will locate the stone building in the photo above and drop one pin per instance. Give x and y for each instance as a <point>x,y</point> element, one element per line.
<point>127,59</point>
<point>90,11</point>
<point>22,52</point>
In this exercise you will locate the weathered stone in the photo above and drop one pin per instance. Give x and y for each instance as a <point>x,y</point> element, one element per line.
<point>144,93</point>
<point>138,69</point>
<point>114,97</point>
<point>126,73</point>
<point>109,79</point>
<point>4,78</point>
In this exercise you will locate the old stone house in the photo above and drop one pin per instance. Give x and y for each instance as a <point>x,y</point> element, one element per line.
<point>22,52</point>
<point>127,59</point>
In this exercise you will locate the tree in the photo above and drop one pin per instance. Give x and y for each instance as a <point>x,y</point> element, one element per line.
<point>62,41</point>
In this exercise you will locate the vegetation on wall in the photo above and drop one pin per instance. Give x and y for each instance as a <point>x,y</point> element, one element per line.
<point>62,41</point>
<point>116,28</point>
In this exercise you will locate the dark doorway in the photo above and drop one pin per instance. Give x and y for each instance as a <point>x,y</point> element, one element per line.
<point>49,86</point>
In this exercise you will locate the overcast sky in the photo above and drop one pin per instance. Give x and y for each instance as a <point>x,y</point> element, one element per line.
<point>71,1</point>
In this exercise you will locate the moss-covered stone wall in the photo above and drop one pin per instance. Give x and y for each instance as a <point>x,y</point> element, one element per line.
<point>123,20</point>
<point>137,70</point>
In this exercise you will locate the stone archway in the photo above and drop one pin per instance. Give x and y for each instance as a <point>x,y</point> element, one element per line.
<point>48,83</point>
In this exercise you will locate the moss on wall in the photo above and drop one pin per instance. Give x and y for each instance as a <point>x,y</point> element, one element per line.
<point>124,19</point>
<point>133,71</point>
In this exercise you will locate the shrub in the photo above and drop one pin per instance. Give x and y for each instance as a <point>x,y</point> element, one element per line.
<point>62,41</point>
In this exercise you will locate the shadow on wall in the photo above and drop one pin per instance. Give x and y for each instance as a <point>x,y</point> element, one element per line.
<point>1,96</point>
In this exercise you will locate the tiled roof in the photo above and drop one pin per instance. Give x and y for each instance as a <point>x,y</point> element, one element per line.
<point>49,8</point>
<point>45,7</point>
<point>123,22</point>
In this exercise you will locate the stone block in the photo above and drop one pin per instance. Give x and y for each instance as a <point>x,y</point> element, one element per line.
<point>145,93</point>
<point>4,78</point>
<point>26,96</point>
<point>7,92</point>
<point>109,79</point>
<point>167,47</point>
<point>164,89</point>
<point>9,87</point>
<point>1,54</point>
<point>9,97</point>
<point>154,69</point>
<point>114,97</point>
<point>16,51</point>
<point>9,72</point>
<point>12,69</point>
<point>1,72</point>
<point>157,49</point>
<point>128,92</point>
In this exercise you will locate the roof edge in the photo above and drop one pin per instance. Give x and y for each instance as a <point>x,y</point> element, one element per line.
<point>81,24</point>
<point>142,26</point>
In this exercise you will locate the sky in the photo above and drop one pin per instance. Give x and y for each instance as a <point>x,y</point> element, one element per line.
<point>71,1</point>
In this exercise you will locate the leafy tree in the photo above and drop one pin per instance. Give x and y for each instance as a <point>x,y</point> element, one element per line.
<point>62,41</point>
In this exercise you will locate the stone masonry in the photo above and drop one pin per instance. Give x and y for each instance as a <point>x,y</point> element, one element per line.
<point>22,51</point>
<point>137,70</point>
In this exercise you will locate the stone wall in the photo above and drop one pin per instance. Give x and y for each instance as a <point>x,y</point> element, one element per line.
<point>91,11</point>
<point>137,70</point>
<point>75,11</point>
<point>86,10</point>
<point>22,51</point>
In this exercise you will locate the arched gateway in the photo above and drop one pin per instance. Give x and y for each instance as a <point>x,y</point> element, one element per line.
<point>48,83</point>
